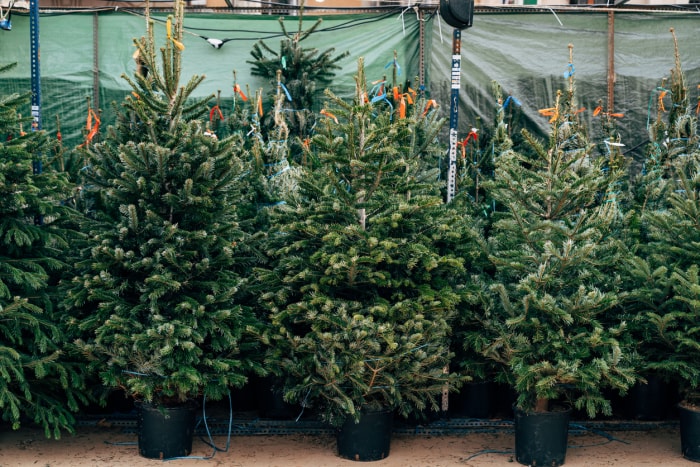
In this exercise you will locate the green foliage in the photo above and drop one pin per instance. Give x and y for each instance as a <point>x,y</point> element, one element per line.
<point>480,147</point>
<point>553,276</point>
<point>38,380</point>
<point>665,246</point>
<point>154,301</point>
<point>476,303</point>
<point>363,286</point>
<point>303,72</point>
<point>664,284</point>
<point>672,134</point>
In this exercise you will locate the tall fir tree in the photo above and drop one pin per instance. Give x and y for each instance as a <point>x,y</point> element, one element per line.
<point>475,303</point>
<point>662,273</point>
<point>39,381</point>
<point>664,281</point>
<point>552,277</point>
<point>154,300</point>
<point>363,285</point>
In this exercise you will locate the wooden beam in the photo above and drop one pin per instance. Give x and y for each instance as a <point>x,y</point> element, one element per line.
<point>611,61</point>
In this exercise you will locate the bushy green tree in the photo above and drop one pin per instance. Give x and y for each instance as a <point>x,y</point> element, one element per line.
<point>38,380</point>
<point>362,288</point>
<point>662,274</point>
<point>154,298</point>
<point>476,303</point>
<point>553,271</point>
<point>664,297</point>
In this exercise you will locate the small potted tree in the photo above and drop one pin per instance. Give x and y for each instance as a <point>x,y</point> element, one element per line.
<point>154,298</point>
<point>550,284</point>
<point>361,290</point>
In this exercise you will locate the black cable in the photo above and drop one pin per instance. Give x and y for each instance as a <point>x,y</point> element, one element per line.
<point>596,431</point>
<point>349,23</point>
<point>487,451</point>
<point>636,147</point>
<point>218,43</point>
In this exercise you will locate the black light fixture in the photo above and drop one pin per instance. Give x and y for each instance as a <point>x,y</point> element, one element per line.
<point>457,13</point>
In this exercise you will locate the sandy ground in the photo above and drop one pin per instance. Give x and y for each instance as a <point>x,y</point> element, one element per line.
<point>102,446</point>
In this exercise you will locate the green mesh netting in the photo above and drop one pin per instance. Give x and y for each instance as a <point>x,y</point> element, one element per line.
<point>526,53</point>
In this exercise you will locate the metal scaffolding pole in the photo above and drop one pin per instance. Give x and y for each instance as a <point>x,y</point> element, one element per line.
<point>36,85</point>
<point>454,112</point>
<point>34,59</point>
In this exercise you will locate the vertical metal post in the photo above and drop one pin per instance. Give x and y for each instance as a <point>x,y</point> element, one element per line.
<point>36,84</point>
<point>95,62</point>
<point>454,112</point>
<point>421,52</point>
<point>34,60</point>
<point>452,152</point>
<point>611,61</point>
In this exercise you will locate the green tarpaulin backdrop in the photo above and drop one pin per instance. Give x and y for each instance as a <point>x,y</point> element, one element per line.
<point>526,53</point>
<point>67,51</point>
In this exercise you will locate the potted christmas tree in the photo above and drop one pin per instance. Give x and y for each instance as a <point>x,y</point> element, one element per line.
<point>361,291</point>
<point>481,396</point>
<point>551,282</point>
<point>41,382</point>
<point>673,140</point>
<point>154,298</point>
<point>664,271</point>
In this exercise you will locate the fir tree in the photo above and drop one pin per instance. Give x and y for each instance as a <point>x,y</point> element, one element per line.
<point>39,382</point>
<point>476,302</point>
<point>610,146</point>
<point>671,133</point>
<point>154,301</point>
<point>302,73</point>
<point>662,274</point>
<point>480,166</point>
<point>362,288</point>
<point>553,271</point>
<point>663,302</point>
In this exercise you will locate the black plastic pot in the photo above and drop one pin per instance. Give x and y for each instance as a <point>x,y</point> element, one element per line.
<point>245,399</point>
<point>650,400</point>
<point>165,432</point>
<point>271,401</point>
<point>472,401</point>
<point>367,440</point>
<point>541,437</point>
<point>690,431</point>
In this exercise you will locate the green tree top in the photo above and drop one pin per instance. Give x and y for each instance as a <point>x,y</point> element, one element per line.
<point>672,134</point>
<point>301,74</point>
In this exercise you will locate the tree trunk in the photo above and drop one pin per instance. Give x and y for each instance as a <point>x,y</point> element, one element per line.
<point>542,405</point>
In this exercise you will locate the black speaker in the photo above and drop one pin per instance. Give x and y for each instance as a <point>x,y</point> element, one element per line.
<point>457,13</point>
